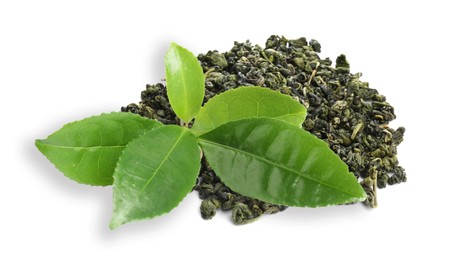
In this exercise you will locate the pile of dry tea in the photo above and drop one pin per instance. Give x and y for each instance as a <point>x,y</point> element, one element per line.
<point>342,110</point>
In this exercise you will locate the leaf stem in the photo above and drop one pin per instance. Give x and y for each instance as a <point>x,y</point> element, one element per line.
<point>374,201</point>
<point>183,123</point>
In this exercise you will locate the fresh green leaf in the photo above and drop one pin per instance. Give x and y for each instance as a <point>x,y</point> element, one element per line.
<point>184,82</point>
<point>154,173</point>
<point>87,151</point>
<point>248,102</point>
<point>279,163</point>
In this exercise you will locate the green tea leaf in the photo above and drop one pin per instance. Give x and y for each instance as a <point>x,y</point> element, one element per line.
<point>248,102</point>
<point>184,82</point>
<point>154,173</point>
<point>87,151</point>
<point>279,163</point>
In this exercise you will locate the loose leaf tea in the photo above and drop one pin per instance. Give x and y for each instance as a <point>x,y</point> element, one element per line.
<point>185,81</point>
<point>257,146</point>
<point>87,150</point>
<point>252,138</point>
<point>342,110</point>
<point>155,172</point>
<point>248,102</point>
<point>279,163</point>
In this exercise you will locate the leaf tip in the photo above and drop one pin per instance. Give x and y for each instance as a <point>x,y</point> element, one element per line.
<point>116,221</point>
<point>39,144</point>
<point>360,197</point>
<point>172,47</point>
<point>363,197</point>
<point>113,225</point>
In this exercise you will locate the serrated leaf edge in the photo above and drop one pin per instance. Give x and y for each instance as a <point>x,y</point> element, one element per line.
<point>40,143</point>
<point>355,196</point>
<point>115,224</point>
<point>198,133</point>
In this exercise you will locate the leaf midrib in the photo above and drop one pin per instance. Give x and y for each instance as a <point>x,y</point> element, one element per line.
<point>184,83</point>
<point>81,147</point>
<point>277,165</point>
<point>162,162</point>
<point>287,115</point>
<point>137,194</point>
<point>202,131</point>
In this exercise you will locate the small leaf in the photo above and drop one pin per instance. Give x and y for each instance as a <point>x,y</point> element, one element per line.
<point>279,163</point>
<point>154,173</point>
<point>184,82</point>
<point>248,102</point>
<point>87,151</point>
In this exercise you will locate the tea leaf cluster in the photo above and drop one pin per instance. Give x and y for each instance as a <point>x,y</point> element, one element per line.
<point>251,137</point>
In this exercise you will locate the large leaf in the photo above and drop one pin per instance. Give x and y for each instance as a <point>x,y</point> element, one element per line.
<point>248,102</point>
<point>279,163</point>
<point>87,151</point>
<point>154,174</point>
<point>184,82</point>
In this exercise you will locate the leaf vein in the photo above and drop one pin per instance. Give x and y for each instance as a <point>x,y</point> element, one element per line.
<point>84,147</point>
<point>162,162</point>
<point>276,165</point>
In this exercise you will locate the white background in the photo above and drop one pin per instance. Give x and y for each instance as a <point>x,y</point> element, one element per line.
<point>62,61</point>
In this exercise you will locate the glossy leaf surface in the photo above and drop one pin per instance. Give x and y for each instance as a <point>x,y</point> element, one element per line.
<point>87,150</point>
<point>279,163</point>
<point>248,102</point>
<point>184,82</point>
<point>154,173</point>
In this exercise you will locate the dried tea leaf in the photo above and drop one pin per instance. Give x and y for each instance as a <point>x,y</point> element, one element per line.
<point>154,173</point>
<point>248,102</point>
<point>279,163</point>
<point>87,150</point>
